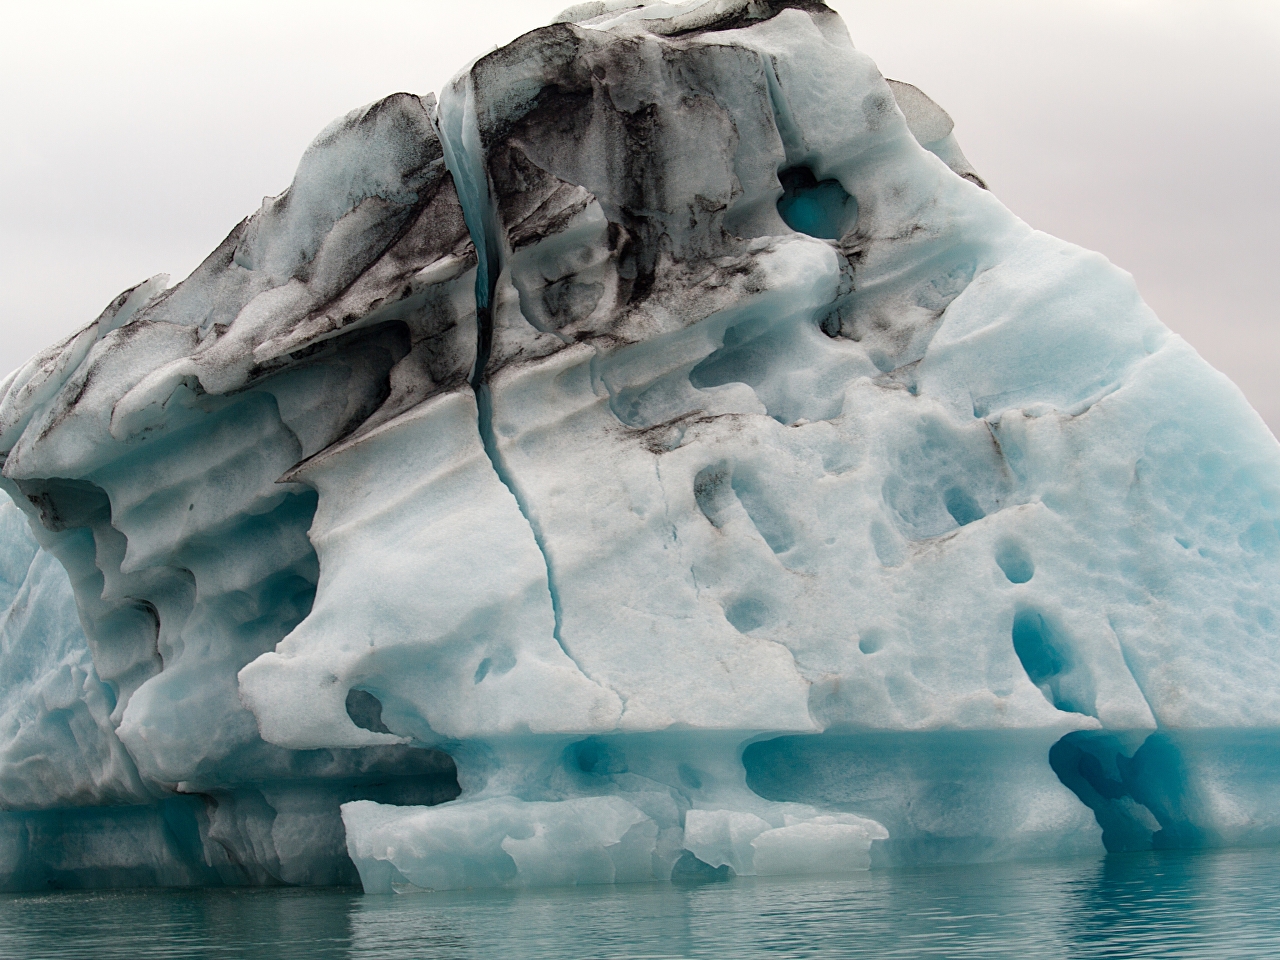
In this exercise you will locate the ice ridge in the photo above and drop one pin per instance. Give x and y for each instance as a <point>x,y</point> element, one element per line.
<point>662,459</point>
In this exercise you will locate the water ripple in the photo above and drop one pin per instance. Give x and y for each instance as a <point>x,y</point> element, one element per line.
<point>1167,905</point>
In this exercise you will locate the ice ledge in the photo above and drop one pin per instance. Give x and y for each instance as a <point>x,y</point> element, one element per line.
<point>681,806</point>
<point>505,842</point>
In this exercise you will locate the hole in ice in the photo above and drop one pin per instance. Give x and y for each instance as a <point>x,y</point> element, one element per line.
<point>718,486</point>
<point>1033,643</point>
<point>746,614</point>
<point>595,757</point>
<point>962,507</point>
<point>588,756</point>
<point>365,710</point>
<point>1016,563</point>
<point>888,550</point>
<point>495,665</point>
<point>690,870</point>
<point>1089,766</point>
<point>424,778</point>
<point>819,208</point>
<point>768,520</point>
<point>871,641</point>
<point>1041,646</point>
<point>711,490</point>
<point>1141,801</point>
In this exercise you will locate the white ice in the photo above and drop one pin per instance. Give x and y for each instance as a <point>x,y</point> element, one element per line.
<point>664,457</point>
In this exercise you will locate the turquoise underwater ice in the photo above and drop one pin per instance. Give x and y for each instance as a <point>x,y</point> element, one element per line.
<point>659,457</point>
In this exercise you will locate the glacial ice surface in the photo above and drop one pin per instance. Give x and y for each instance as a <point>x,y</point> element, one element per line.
<point>663,458</point>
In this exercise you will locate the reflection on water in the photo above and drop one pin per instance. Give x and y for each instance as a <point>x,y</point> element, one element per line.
<point>1172,904</point>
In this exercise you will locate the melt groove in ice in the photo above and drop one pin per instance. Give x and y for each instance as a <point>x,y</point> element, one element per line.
<point>661,459</point>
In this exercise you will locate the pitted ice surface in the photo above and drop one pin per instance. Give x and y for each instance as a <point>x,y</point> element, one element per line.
<point>665,453</point>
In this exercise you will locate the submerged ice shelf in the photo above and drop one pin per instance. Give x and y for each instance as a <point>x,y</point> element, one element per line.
<point>660,458</point>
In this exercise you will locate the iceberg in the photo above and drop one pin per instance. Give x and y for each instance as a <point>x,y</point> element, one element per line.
<point>660,459</point>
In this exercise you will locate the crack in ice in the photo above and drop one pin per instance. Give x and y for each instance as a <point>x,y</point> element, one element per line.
<point>471,181</point>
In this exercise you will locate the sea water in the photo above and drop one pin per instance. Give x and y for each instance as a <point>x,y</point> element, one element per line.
<point>1167,904</point>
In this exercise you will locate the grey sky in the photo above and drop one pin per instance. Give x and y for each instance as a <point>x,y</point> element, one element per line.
<point>136,134</point>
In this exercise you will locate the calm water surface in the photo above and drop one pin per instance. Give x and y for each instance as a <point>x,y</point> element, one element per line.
<point>1215,904</point>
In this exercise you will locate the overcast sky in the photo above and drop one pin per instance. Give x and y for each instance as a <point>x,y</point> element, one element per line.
<point>137,134</point>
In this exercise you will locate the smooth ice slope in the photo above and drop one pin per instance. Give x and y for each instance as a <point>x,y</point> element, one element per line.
<point>670,449</point>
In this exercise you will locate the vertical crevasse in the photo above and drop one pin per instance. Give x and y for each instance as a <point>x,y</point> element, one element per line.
<point>458,129</point>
